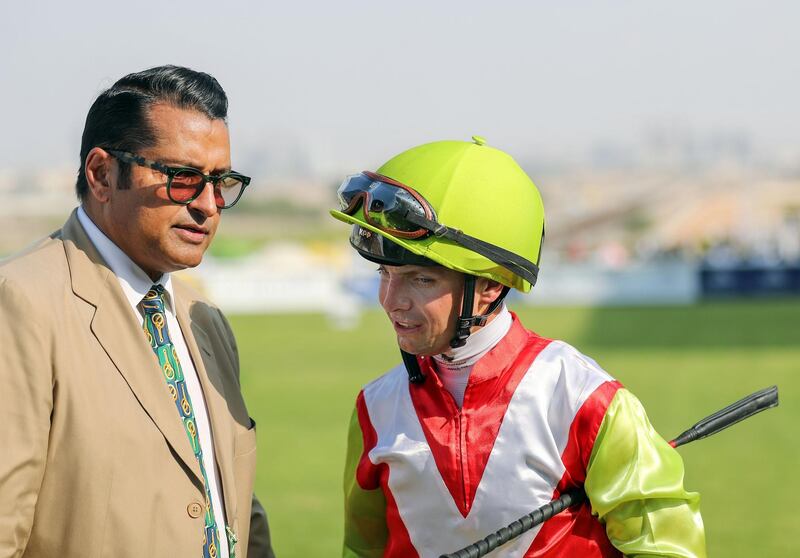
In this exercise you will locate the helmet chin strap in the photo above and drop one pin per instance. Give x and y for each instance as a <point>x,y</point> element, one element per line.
<point>466,321</point>
<point>415,375</point>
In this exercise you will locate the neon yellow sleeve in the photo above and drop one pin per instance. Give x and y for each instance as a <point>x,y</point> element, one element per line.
<point>365,531</point>
<point>634,482</point>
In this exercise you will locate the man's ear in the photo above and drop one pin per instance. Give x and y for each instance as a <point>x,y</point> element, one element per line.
<point>99,174</point>
<point>486,292</point>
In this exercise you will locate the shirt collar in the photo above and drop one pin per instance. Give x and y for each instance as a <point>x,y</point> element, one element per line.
<point>134,281</point>
<point>499,359</point>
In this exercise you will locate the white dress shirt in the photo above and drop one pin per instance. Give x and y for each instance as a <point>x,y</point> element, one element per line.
<point>135,283</point>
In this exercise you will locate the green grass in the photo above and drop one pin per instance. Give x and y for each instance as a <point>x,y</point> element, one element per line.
<point>233,247</point>
<point>301,375</point>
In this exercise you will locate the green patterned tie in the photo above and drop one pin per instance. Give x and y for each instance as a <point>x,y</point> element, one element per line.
<point>155,327</point>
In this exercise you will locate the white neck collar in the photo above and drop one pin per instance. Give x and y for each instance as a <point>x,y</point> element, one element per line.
<point>477,345</point>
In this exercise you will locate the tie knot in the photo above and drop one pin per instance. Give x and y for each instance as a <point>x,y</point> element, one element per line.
<point>153,301</point>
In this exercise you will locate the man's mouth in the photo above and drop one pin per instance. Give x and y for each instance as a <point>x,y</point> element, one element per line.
<point>192,233</point>
<point>404,326</point>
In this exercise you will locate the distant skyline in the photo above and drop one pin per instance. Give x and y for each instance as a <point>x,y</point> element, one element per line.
<point>354,82</point>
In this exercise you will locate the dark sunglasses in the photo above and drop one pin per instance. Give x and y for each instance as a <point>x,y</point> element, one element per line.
<point>400,211</point>
<point>185,184</point>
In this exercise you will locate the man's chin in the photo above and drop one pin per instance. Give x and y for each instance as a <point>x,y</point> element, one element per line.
<point>183,259</point>
<point>407,345</point>
<point>418,349</point>
<point>176,264</point>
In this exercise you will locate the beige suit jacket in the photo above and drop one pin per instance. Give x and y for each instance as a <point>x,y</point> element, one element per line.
<point>94,461</point>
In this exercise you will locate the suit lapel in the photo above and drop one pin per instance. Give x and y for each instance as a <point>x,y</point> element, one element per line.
<point>118,331</point>
<point>211,380</point>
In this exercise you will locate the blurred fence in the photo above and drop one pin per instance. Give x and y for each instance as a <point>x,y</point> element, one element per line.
<point>300,284</point>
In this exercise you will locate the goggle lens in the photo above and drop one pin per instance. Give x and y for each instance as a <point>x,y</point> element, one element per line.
<point>385,205</point>
<point>352,187</point>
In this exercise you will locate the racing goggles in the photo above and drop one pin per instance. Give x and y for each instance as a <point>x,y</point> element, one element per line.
<point>398,210</point>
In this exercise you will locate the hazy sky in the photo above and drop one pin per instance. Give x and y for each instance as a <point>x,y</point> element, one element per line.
<point>357,81</point>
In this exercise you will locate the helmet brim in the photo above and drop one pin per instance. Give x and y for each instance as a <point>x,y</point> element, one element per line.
<point>421,247</point>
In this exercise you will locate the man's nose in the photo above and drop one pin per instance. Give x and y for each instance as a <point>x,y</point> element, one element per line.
<point>393,295</point>
<point>206,202</point>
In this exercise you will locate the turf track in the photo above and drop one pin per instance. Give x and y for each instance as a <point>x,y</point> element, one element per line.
<point>300,376</point>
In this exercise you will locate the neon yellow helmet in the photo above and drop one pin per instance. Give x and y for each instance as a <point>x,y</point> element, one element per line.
<point>485,217</point>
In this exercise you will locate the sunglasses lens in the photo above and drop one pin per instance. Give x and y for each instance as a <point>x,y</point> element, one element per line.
<point>228,190</point>
<point>185,185</point>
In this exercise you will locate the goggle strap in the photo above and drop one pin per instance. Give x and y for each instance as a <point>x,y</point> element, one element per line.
<point>502,257</point>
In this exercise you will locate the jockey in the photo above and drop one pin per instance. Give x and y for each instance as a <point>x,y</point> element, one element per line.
<point>484,420</point>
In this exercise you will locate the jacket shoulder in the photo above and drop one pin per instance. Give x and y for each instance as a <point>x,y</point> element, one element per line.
<point>573,362</point>
<point>387,386</point>
<point>189,290</point>
<point>201,310</point>
<point>37,268</point>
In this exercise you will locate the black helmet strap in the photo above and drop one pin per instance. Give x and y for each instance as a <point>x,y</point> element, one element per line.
<point>415,375</point>
<point>466,321</point>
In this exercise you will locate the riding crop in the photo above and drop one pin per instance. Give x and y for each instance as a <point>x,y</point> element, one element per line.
<point>730,415</point>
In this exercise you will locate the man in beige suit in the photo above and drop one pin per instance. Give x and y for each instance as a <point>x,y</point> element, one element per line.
<point>123,432</point>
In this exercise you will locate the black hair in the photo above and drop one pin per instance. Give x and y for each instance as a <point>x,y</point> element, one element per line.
<point>118,118</point>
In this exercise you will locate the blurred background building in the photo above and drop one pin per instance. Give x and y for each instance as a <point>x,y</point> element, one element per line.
<point>663,144</point>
